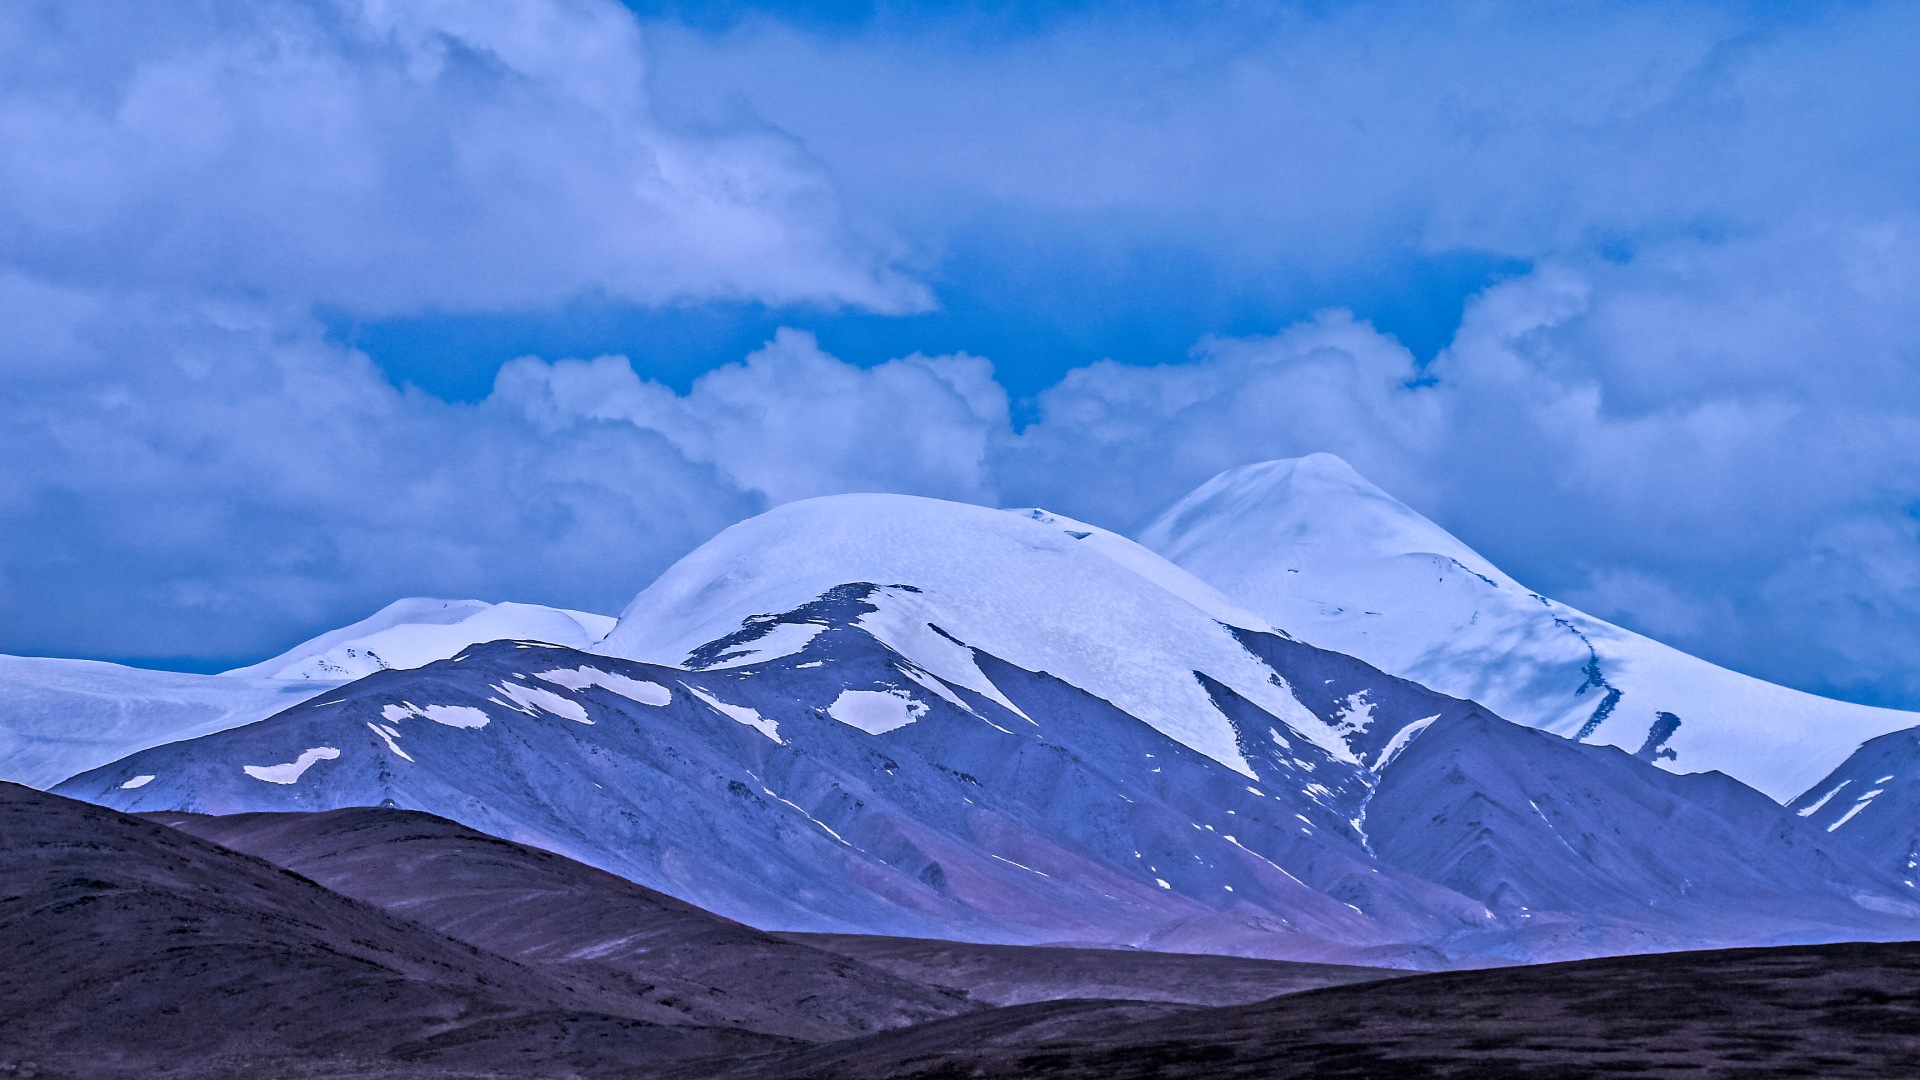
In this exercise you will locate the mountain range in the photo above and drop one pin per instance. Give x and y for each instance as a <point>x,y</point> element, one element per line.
<point>59,716</point>
<point>890,715</point>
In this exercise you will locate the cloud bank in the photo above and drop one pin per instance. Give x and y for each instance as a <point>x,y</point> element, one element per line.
<point>1691,410</point>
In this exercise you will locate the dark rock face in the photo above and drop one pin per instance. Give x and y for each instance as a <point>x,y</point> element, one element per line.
<point>744,795</point>
<point>1831,1011</point>
<point>604,938</point>
<point>128,948</point>
<point>1537,827</point>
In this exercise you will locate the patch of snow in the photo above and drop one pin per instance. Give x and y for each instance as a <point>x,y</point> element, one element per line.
<point>1400,740</point>
<point>455,716</point>
<point>1848,816</point>
<point>1809,811</point>
<point>138,782</point>
<point>387,735</point>
<point>640,690</point>
<point>741,714</point>
<point>875,712</point>
<point>1355,713</point>
<point>293,770</point>
<point>544,700</point>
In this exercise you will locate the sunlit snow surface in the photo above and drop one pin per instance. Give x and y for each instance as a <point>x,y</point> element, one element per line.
<point>1331,559</point>
<point>875,712</point>
<point>740,714</point>
<point>530,698</point>
<point>454,716</point>
<point>1045,594</point>
<point>61,717</point>
<point>292,771</point>
<point>419,630</point>
<point>646,693</point>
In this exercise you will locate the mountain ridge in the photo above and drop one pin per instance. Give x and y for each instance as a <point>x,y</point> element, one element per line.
<point>1311,546</point>
<point>891,715</point>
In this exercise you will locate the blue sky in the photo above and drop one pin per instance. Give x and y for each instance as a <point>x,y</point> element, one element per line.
<point>314,305</point>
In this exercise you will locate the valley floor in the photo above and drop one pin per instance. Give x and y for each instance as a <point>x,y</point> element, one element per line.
<point>1846,1010</point>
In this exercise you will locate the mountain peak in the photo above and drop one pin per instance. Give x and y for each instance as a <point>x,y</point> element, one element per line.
<point>1313,547</point>
<point>948,580</point>
<point>1301,512</point>
<point>419,630</point>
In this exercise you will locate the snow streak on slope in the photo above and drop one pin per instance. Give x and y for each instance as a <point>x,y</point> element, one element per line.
<point>955,578</point>
<point>60,717</point>
<point>419,630</point>
<point>1313,547</point>
<point>1872,802</point>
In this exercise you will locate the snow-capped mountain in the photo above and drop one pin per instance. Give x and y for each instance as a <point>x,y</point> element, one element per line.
<point>1310,545</point>
<point>419,630</point>
<point>891,715</point>
<point>59,717</point>
<point>1032,590</point>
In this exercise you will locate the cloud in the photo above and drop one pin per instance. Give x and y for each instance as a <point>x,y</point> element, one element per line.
<point>1331,137</point>
<point>792,422</point>
<point>384,157</point>
<point>1703,431</point>
<point>193,467</point>
<point>221,481</point>
<point>223,475</point>
<point>1116,443</point>
<point>1688,404</point>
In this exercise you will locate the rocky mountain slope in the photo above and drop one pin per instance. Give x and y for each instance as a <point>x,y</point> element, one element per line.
<point>885,715</point>
<point>601,936</point>
<point>132,949</point>
<point>1871,803</point>
<point>60,717</point>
